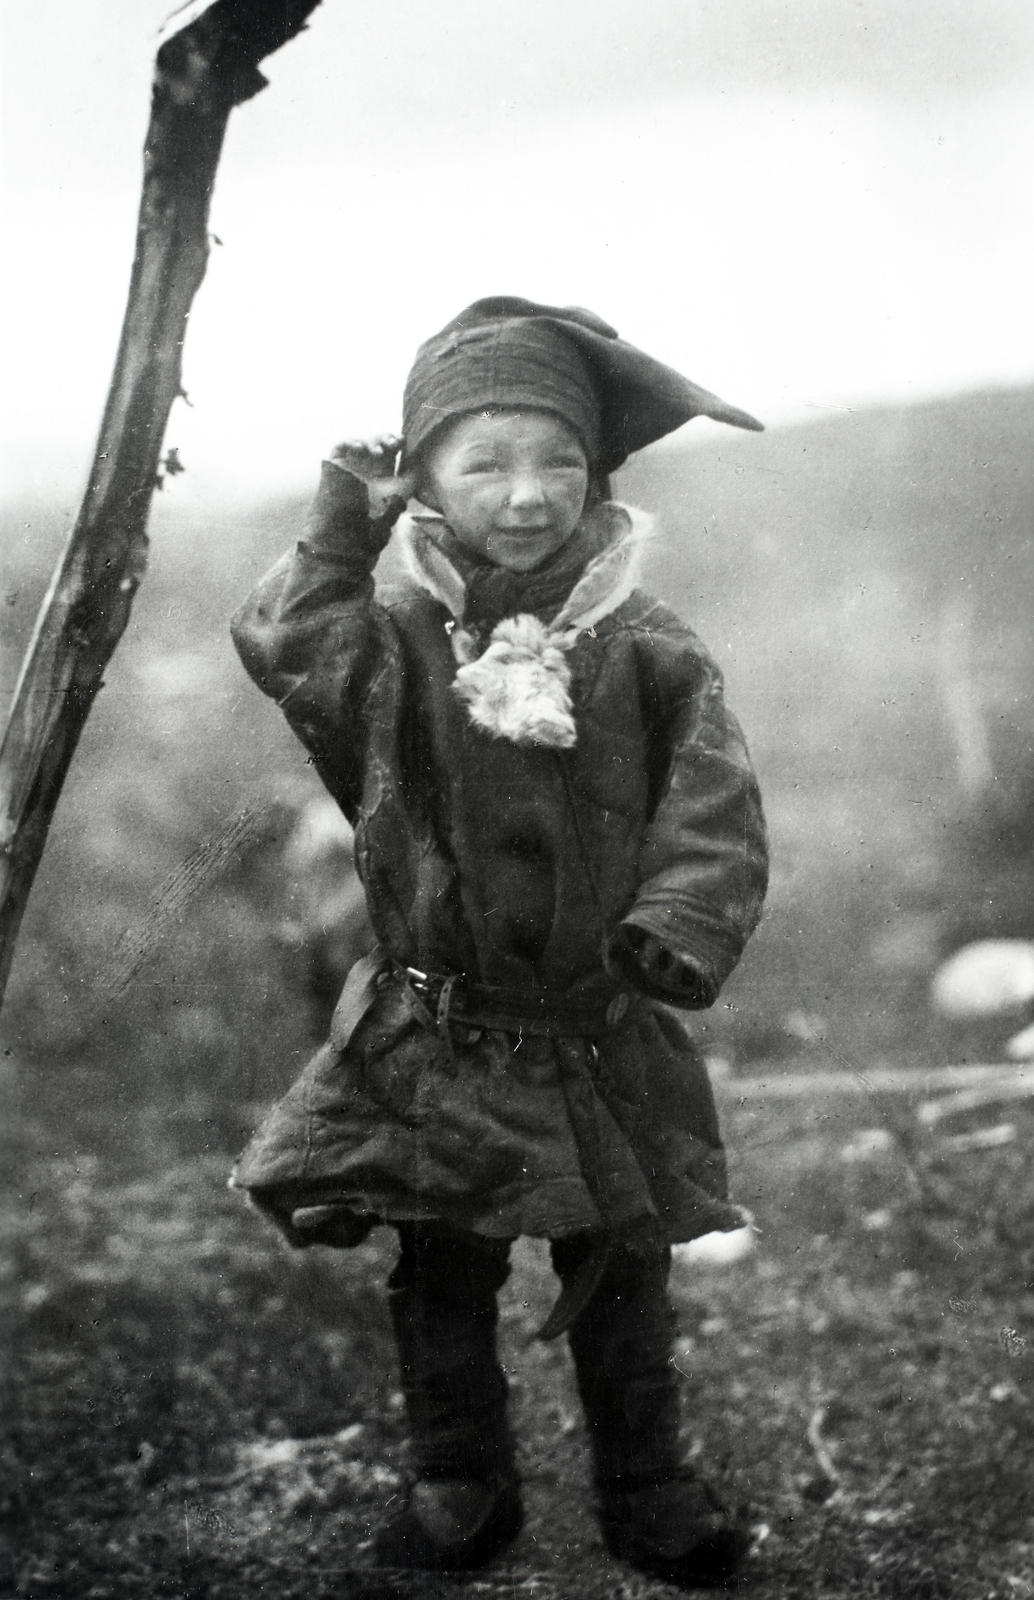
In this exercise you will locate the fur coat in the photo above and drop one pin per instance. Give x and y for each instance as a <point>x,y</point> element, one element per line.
<point>529,763</point>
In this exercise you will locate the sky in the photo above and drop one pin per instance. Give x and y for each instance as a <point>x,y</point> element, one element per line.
<point>807,206</point>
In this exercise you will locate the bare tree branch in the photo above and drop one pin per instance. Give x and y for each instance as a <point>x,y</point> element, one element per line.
<point>201,72</point>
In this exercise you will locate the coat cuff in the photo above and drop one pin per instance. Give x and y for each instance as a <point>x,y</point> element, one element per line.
<point>341,524</point>
<point>692,989</point>
<point>705,943</point>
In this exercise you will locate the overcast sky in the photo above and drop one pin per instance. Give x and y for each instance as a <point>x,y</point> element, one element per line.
<point>807,205</point>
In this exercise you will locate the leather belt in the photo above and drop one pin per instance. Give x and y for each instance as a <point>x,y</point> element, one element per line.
<point>454,1000</point>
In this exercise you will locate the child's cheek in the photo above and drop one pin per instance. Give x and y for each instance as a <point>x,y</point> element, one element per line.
<point>484,506</point>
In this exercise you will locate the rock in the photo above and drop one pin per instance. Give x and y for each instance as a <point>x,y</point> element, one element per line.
<point>1021,1046</point>
<point>715,1249</point>
<point>985,979</point>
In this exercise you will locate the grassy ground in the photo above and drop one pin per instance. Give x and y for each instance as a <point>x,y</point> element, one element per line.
<point>198,1413</point>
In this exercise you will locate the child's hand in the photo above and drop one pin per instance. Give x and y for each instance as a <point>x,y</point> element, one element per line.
<point>373,461</point>
<point>642,956</point>
<point>368,458</point>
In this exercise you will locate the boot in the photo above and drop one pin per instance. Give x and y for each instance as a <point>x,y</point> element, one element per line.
<point>674,1528</point>
<point>463,1504</point>
<point>654,1513</point>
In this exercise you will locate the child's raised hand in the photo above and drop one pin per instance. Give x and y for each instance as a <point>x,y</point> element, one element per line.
<point>374,461</point>
<point>370,459</point>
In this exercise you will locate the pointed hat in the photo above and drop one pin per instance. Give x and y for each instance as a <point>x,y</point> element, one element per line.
<point>505,351</point>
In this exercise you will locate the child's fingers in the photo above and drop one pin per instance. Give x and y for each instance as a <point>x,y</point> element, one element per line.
<point>643,945</point>
<point>350,450</point>
<point>368,458</point>
<point>660,962</point>
<point>653,959</point>
<point>652,954</point>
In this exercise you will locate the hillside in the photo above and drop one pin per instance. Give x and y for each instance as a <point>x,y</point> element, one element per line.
<point>850,570</point>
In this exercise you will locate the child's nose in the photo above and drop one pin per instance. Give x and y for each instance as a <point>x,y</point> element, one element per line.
<point>527,489</point>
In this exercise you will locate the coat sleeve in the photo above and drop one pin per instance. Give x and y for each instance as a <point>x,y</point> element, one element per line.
<point>311,636</point>
<point>703,867</point>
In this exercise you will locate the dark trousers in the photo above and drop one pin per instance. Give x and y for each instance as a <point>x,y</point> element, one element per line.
<point>444,1311</point>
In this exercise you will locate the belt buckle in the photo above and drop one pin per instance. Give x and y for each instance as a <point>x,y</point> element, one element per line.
<point>419,981</point>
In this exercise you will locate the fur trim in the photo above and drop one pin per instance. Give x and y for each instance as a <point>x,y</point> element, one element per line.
<point>519,687</point>
<point>610,577</point>
<point>429,568</point>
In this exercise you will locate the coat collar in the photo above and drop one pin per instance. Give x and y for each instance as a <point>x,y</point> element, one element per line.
<point>516,682</point>
<point>615,536</point>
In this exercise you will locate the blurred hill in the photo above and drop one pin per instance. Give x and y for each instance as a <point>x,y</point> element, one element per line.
<point>865,580</point>
<point>854,574</point>
<point>867,583</point>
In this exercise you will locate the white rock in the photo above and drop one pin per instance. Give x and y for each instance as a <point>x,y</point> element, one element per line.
<point>985,979</point>
<point>1021,1046</point>
<point>868,1142</point>
<point>715,1249</point>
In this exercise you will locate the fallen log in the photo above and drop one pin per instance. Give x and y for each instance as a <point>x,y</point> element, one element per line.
<point>1015,1081</point>
<point>202,71</point>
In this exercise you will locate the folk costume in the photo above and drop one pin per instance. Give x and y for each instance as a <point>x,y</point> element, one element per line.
<point>536,766</point>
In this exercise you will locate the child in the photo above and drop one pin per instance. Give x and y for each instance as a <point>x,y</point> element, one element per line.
<point>557,826</point>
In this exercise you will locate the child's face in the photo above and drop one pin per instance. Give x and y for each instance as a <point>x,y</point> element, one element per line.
<point>510,484</point>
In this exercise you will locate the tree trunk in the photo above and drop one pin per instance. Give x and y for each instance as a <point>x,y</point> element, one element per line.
<point>201,73</point>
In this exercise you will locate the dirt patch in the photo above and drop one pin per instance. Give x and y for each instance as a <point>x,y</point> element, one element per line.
<point>198,1412</point>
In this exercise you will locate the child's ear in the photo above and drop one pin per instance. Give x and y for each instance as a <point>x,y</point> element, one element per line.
<point>425,492</point>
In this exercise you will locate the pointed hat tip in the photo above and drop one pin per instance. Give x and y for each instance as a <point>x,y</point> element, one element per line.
<point>736,418</point>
